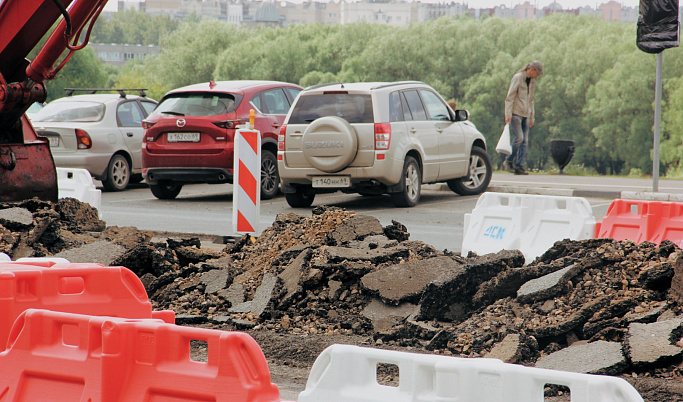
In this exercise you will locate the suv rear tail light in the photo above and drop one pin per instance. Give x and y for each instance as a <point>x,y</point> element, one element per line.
<point>146,124</point>
<point>229,123</point>
<point>83,140</point>
<point>281,138</point>
<point>382,136</point>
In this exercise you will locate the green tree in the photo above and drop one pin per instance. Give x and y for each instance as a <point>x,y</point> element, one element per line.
<point>83,70</point>
<point>190,53</point>
<point>135,75</point>
<point>621,113</point>
<point>133,27</point>
<point>316,77</point>
<point>672,128</point>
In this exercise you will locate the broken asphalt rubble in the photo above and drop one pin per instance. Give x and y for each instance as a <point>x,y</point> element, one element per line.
<point>593,306</point>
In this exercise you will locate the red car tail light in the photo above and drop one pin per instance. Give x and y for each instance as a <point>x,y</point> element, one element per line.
<point>83,140</point>
<point>146,124</point>
<point>229,123</point>
<point>382,136</point>
<point>281,138</point>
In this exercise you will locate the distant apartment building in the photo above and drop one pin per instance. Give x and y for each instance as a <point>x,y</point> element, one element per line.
<point>611,11</point>
<point>222,10</point>
<point>262,14</point>
<point>118,55</point>
<point>310,12</point>
<point>385,13</point>
<point>614,11</point>
<point>526,11</point>
<point>432,11</point>
<point>503,11</point>
<point>585,10</point>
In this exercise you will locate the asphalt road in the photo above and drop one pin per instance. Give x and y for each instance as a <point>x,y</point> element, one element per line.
<point>437,220</point>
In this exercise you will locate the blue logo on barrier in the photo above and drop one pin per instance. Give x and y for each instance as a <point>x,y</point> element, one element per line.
<point>495,232</point>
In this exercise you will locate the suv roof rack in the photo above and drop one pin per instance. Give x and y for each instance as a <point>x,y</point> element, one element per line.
<point>121,91</point>
<point>391,84</point>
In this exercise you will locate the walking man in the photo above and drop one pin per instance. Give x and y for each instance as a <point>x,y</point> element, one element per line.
<point>519,113</point>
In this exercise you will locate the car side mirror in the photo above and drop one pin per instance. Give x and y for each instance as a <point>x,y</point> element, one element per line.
<point>461,115</point>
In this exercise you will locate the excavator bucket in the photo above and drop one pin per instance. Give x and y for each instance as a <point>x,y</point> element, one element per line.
<point>27,169</point>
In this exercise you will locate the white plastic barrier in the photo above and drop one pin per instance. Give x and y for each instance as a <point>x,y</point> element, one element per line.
<point>57,260</point>
<point>78,184</point>
<point>525,222</point>
<point>346,373</point>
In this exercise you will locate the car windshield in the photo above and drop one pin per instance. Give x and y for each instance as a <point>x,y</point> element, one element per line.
<point>71,111</point>
<point>197,104</point>
<point>35,108</point>
<point>352,108</point>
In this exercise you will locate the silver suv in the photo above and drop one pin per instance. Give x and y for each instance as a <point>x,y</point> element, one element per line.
<point>378,138</point>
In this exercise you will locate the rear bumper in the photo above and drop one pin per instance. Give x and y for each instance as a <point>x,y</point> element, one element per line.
<point>188,175</point>
<point>96,164</point>
<point>386,172</point>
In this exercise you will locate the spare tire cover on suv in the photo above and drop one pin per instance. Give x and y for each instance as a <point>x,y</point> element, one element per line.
<point>330,144</point>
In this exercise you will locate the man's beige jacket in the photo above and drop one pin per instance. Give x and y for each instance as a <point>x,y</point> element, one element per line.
<point>520,99</point>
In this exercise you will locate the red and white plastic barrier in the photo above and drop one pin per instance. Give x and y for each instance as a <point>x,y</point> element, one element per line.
<point>75,288</point>
<point>55,356</point>
<point>525,222</point>
<point>246,198</point>
<point>532,223</point>
<point>639,221</point>
<point>345,373</point>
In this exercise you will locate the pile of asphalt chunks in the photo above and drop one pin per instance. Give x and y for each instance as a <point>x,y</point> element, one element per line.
<point>595,306</point>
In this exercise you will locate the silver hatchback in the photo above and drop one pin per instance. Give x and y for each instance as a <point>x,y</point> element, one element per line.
<point>98,132</point>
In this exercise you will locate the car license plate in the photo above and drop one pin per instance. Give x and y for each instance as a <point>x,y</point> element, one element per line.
<point>54,141</point>
<point>331,181</point>
<point>183,137</point>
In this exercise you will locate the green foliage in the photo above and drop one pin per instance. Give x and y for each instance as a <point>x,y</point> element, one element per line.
<point>83,70</point>
<point>134,28</point>
<point>316,77</point>
<point>672,123</point>
<point>188,56</point>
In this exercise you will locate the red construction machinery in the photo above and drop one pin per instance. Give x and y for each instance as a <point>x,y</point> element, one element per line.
<point>27,169</point>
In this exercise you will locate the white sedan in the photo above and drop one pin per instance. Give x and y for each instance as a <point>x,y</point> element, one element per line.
<point>101,133</point>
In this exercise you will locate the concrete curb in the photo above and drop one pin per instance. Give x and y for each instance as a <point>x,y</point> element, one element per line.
<point>567,192</point>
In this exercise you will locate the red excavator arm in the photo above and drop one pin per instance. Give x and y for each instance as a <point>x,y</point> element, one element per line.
<point>27,169</point>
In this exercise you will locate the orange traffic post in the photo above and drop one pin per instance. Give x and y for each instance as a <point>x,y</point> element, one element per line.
<point>246,198</point>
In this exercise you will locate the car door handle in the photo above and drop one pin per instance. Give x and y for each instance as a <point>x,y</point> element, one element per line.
<point>130,134</point>
<point>413,130</point>
<point>439,130</point>
<point>276,125</point>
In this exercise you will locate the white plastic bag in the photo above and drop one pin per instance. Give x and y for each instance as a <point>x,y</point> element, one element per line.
<point>503,146</point>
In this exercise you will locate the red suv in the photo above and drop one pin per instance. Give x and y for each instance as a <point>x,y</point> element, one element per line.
<point>189,136</point>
